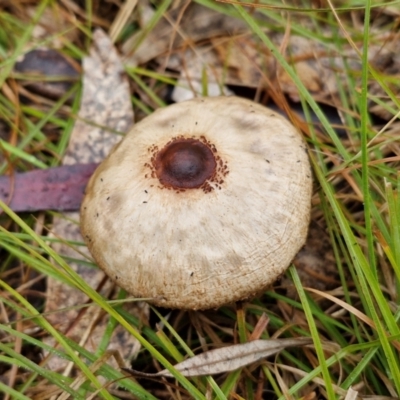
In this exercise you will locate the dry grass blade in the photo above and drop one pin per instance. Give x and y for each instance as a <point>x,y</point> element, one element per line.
<point>121,19</point>
<point>80,380</point>
<point>352,310</point>
<point>351,394</point>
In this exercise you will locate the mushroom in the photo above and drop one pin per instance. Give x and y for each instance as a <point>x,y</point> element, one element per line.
<point>203,203</point>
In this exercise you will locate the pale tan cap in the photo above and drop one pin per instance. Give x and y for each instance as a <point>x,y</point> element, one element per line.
<point>203,203</point>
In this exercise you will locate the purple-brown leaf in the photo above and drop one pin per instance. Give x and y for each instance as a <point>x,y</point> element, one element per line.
<point>59,188</point>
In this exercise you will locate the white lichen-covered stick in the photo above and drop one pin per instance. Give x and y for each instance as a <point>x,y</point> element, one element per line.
<point>203,203</point>
<point>105,108</point>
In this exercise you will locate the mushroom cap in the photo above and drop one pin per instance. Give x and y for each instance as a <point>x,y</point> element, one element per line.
<point>202,203</point>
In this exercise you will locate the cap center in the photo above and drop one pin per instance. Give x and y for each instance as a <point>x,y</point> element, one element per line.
<point>185,164</point>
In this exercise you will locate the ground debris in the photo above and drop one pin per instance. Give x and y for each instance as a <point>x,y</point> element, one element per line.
<point>105,108</point>
<point>229,358</point>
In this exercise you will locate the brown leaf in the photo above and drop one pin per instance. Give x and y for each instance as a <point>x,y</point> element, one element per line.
<point>47,72</point>
<point>228,358</point>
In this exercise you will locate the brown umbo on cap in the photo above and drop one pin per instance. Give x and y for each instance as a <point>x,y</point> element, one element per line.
<point>203,203</point>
